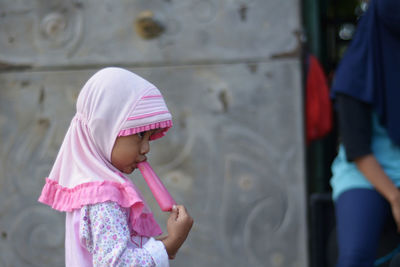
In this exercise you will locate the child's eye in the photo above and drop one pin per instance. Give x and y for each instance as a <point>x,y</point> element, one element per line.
<point>141,134</point>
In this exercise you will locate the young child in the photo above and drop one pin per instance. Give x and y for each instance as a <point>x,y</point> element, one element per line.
<point>107,220</point>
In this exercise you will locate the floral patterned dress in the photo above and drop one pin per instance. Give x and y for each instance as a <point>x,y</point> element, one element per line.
<point>99,235</point>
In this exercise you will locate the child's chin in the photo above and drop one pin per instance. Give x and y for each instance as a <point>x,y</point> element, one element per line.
<point>128,171</point>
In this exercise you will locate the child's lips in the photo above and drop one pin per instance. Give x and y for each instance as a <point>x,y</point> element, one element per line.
<point>141,158</point>
<point>134,166</point>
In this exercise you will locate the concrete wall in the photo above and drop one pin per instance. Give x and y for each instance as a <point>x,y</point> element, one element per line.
<point>231,76</point>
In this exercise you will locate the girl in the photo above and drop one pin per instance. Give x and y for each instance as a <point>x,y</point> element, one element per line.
<point>366,172</point>
<point>107,220</point>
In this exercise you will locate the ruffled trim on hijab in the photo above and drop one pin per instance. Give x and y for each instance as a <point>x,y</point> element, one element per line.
<point>68,199</point>
<point>164,125</point>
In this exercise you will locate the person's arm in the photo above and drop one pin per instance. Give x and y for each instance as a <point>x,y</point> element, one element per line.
<point>105,233</point>
<point>355,127</point>
<point>179,224</point>
<point>373,171</point>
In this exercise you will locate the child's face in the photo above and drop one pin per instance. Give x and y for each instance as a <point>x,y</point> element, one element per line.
<point>130,150</point>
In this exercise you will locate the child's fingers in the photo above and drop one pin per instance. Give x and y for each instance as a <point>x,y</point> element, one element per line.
<point>174,212</point>
<point>181,210</point>
<point>183,216</point>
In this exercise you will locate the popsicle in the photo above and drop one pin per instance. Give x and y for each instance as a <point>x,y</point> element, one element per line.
<point>160,193</point>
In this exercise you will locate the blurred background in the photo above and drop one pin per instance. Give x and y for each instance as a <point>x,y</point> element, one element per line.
<point>251,146</point>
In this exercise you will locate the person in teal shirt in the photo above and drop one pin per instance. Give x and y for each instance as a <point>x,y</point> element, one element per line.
<point>366,171</point>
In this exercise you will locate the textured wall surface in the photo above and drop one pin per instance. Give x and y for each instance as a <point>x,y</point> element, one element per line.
<point>232,80</point>
<point>83,32</point>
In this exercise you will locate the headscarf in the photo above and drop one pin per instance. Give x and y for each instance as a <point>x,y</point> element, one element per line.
<point>370,68</point>
<point>113,102</point>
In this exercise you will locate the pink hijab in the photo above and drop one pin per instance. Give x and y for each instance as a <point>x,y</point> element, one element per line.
<point>113,102</point>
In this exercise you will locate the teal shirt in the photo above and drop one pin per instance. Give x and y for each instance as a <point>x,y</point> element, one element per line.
<point>345,174</point>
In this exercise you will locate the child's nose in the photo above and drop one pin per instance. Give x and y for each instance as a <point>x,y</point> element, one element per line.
<point>145,147</point>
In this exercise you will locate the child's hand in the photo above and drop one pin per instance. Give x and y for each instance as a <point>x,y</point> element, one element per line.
<point>179,224</point>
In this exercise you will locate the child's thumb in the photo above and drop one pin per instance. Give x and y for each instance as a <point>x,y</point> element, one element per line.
<point>174,212</point>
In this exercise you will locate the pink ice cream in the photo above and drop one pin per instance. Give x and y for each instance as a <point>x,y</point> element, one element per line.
<point>160,193</point>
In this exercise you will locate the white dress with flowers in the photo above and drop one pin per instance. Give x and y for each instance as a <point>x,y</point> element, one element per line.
<point>99,235</point>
